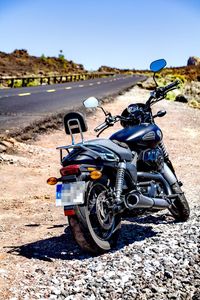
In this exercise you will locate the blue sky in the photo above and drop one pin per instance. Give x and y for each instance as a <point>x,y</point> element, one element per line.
<point>124,34</point>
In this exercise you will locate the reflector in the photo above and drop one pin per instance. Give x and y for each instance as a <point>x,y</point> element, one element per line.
<point>91,169</point>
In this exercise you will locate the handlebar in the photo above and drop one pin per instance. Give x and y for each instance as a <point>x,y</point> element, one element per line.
<point>110,121</point>
<point>160,92</point>
<point>171,86</point>
<point>101,126</point>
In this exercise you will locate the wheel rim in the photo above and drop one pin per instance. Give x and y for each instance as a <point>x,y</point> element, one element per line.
<point>100,217</point>
<point>104,215</point>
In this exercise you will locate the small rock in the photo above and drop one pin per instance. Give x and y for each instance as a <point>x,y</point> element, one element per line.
<point>168,274</point>
<point>7,144</point>
<point>2,148</point>
<point>55,291</point>
<point>181,98</point>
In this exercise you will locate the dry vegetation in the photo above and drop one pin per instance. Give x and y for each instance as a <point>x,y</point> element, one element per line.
<point>20,63</point>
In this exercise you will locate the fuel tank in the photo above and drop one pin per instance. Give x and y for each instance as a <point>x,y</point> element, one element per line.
<point>140,136</point>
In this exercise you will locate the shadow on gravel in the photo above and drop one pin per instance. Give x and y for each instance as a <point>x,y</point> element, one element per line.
<point>61,247</point>
<point>150,219</point>
<point>64,247</point>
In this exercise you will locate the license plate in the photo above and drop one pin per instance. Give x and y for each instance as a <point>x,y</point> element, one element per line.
<point>70,193</point>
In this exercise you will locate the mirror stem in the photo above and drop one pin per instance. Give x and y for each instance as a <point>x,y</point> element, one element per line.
<point>106,113</point>
<point>154,78</point>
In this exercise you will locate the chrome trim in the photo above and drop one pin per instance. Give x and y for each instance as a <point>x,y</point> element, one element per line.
<point>168,174</point>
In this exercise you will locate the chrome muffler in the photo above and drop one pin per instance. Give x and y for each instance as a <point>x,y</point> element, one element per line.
<point>137,200</point>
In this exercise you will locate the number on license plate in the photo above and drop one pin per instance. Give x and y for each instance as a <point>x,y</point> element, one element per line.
<point>70,193</point>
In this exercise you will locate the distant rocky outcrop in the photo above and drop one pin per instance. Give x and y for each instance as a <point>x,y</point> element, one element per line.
<point>193,61</point>
<point>109,69</point>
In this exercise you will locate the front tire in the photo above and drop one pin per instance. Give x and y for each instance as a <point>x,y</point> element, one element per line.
<point>180,208</point>
<point>95,227</point>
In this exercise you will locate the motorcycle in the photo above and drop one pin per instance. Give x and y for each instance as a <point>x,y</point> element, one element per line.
<point>102,180</point>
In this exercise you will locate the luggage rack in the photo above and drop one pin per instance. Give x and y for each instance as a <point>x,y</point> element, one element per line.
<point>74,123</point>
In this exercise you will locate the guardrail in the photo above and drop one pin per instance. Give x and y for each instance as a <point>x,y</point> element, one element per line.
<point>25,81</point>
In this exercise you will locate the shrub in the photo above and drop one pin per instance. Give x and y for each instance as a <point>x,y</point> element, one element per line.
<point>18,83</point>
<point>194,104</point>
<point>33,82</point>
<point>170,96</point>
<point>43,57</point>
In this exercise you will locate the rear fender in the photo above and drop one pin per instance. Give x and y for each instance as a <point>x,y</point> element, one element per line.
<point>79,156</point>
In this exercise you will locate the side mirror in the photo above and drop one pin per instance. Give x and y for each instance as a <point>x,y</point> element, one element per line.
<point>91,102</point>
<point>160,113</point>
<point>158,65</point>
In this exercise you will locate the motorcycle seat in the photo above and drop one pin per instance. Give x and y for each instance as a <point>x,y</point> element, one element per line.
<point>121,151</point>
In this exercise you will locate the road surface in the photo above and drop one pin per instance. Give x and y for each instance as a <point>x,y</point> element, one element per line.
<point>19,107</point>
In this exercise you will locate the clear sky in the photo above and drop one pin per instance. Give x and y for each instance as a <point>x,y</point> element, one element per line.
<point>117,33</point>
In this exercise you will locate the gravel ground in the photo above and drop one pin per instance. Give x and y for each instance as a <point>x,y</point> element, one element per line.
<point>155,258</point>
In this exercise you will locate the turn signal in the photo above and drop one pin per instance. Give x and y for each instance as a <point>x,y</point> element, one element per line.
<point>95,174</point>
<point>52,180</point>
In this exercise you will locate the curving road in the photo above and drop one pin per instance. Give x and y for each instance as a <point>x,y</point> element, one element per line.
<point>19,107</point>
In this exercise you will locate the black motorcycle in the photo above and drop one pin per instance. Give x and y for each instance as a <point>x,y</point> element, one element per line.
<point>103,179</point>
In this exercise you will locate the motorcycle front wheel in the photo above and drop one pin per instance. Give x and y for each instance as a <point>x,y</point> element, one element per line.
<point>95,227</point>
<point>180,208</point>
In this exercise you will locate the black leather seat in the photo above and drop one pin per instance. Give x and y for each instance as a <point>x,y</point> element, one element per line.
<point>122,152</point>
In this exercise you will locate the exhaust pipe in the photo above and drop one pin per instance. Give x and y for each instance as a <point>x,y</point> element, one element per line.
<point>137,200</point>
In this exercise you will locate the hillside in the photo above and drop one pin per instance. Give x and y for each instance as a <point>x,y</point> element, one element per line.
<point>191,72</point>
<point>20,63</point>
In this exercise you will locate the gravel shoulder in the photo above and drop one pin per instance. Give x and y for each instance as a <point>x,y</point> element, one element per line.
<point>155,257</point>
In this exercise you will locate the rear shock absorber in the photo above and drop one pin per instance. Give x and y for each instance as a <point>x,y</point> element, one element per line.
<point>119,181</point>
<point>164,150</point>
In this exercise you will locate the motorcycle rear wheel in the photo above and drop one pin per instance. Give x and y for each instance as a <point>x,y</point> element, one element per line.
<point>180,208</point>
<point>94,226</point>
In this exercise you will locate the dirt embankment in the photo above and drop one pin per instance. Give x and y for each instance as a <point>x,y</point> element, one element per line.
<point>32,245</point>
<point>20,63</point>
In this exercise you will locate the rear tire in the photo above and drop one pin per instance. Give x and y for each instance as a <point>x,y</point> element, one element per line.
<point>180,208</point>
<point>94,226</point>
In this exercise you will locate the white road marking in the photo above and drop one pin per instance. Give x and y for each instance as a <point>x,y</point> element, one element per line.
<point>98,82</point>
<point>91,84</point>
<point>68,88</point>
<point>6,96</point>
<point>81,85</point>
<point>50,91</point>
<point>24,94</point>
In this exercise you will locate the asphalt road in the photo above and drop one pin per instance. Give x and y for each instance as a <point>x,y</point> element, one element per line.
<point>19,107</point>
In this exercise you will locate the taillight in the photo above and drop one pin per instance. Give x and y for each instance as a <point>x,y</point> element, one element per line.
<point>69,212</point>
<point>70,170</point>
